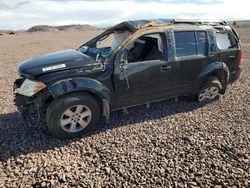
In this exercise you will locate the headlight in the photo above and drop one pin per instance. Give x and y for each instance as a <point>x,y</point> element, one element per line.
<point>29,87</point>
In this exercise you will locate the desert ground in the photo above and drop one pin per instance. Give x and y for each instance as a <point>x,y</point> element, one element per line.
<point>177,144</point>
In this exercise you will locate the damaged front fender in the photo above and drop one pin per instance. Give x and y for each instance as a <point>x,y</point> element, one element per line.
<point>96,88</point>
<point>79,84</point>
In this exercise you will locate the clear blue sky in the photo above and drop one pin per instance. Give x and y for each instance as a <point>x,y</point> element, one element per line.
<point>22,14</point>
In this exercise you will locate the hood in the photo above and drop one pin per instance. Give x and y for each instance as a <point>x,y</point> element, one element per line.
<point>53,62</point>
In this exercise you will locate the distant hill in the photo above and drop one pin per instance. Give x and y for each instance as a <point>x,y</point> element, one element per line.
<point>47,28</point>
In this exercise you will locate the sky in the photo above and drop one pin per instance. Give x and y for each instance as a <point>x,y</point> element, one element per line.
<point>23,14</point>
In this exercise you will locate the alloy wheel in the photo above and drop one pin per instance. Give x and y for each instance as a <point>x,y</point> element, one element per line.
<point>208,94</point>
<point>75,118</point>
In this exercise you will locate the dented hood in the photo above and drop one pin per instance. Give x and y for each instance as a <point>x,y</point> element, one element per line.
<point>53,62</point>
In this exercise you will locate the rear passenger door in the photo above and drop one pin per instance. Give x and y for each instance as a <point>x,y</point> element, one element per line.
<point>191,49</point>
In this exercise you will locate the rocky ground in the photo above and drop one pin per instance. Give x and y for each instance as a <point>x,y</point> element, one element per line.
<point>179,144</point>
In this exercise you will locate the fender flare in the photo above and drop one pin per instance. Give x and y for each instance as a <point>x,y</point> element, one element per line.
<point>217,68</point>
<point>77,84</point>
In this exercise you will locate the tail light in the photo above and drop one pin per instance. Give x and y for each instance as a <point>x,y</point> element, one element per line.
<point>239,59</point>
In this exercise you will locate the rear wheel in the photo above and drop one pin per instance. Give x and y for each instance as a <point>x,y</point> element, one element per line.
<point>73,115</point>
<point>210,90</point>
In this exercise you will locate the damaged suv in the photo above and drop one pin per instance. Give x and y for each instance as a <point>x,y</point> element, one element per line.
<point>132,63</point>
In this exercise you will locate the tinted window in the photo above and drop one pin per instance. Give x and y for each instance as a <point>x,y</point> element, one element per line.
<point>201,42</point>
<point>185,43</point>
<point>212,42</point>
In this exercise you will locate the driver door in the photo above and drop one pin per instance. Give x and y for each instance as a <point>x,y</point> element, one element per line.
<point>142,73</point>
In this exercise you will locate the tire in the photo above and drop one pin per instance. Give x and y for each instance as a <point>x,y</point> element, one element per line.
<point>209,90</point>
<point>73,115</point>
<point>191,98</point>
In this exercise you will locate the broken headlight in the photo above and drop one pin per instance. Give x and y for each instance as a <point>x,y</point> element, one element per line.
<point>30,87</point>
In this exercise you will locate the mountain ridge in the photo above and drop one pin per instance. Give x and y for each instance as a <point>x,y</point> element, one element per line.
<point>72,27</point>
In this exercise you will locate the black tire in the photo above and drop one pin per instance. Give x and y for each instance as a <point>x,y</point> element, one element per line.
<point>59,106</point>
<point>191,98</point>
<point>211,82</point>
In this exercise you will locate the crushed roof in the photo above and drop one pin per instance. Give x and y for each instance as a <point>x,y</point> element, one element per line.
<point>134,25</point>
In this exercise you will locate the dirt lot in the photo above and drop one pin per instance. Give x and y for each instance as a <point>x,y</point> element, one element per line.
<point>171,144</point>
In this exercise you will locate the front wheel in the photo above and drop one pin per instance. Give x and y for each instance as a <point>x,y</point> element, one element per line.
<point>72,115</point>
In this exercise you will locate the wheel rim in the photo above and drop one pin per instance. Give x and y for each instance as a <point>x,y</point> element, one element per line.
<point>208,94</point>
<point>75,118</point>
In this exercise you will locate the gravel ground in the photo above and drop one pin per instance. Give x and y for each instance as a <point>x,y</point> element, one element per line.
<point>173,144</point>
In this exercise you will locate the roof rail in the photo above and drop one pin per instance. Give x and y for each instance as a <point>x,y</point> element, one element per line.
<point>208,22</point>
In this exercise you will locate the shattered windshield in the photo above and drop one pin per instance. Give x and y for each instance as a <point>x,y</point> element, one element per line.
<point>106,41</point>
<point>105,46</point>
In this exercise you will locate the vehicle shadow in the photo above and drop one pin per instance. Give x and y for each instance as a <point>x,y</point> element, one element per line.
<point>18,137</point>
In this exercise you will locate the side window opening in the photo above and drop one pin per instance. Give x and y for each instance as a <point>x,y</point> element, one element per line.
<point>185,43</point>
<point>212,41</point>
<point>225,40</point>
<point>201,42</point>
<point>189,43</point>
<point>145,48</point>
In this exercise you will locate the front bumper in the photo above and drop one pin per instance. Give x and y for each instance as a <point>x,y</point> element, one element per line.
<point>234,76</point>
<point>28,107</point>
<point>24,104</point>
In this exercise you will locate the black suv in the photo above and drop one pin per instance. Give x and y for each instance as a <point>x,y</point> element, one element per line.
<point>132,63</point>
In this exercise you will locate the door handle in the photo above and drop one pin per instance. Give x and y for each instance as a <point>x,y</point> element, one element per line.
<point>165,68</point>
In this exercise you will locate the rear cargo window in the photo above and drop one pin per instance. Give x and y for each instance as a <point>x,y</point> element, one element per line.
<point>185,43</point>
<point>223,41</point>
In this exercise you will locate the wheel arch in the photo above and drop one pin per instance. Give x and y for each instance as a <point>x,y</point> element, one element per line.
<point>87,85</point>
<point>218,69</point>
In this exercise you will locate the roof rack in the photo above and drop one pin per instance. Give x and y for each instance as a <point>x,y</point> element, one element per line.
<point>184,21</point>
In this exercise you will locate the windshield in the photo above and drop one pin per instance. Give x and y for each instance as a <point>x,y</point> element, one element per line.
<point>106,41</point>
<point>104,45</point>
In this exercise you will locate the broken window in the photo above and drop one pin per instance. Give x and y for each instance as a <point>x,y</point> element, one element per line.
<point>119,38</point>
<point>106,44</point>
<point>145,48</point>
<point>225,41</point>
<point>106,41</point>
<point>114,39</point>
